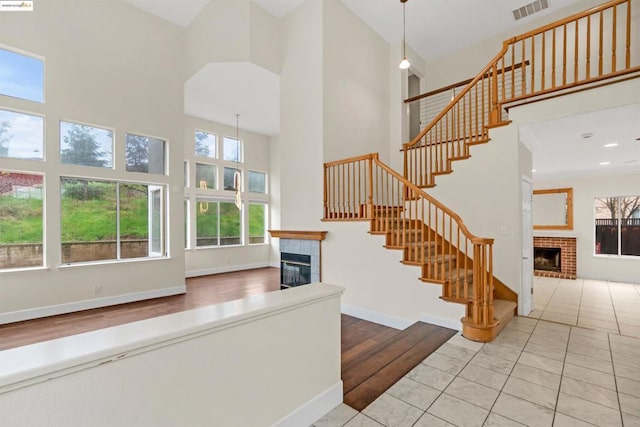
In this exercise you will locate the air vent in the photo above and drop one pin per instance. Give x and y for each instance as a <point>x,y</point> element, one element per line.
<point>530,9</point>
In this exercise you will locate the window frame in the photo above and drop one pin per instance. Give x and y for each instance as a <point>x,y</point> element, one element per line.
<point>113,144</point>
<point>619,254</point>
<point>44,73</point>
<point>164,226</point>
<point>166,154</point>
<point>42,160</point>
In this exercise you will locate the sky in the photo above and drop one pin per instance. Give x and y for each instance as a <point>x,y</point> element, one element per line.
<point>26,134</point>
<point>21,76</point>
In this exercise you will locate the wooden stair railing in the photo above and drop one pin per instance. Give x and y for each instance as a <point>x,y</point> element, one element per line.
<point>432,236</point>
<point>579,50</point>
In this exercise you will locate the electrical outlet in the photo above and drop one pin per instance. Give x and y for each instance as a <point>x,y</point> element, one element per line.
<point>97,288</point>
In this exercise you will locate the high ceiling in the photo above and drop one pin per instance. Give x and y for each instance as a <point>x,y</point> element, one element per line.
<point>560,148</point>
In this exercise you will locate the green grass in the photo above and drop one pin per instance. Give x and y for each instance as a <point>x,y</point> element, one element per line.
<point>20,220</point>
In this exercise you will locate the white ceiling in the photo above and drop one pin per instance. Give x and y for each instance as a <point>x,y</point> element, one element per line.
<point>575,146</point>
<point>219,91</point>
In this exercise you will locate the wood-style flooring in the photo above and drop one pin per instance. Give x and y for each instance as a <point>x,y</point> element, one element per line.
<point>374,356</point>
<point>201,291</point>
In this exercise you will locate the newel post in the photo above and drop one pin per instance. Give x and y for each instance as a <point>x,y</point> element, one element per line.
<point>494,116</point>
<point>370,209</point>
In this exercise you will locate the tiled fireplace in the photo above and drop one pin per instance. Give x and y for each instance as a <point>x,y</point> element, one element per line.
<point>300,256</point>
<point>552,264</point>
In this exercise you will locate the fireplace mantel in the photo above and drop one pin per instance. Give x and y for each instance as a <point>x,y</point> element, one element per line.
<point>299,235</point>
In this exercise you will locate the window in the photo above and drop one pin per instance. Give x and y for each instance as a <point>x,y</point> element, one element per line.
<point>186,224</point>
<point>104,220</point>
<point>617,225</point>
<point>21,135</point>
<point>257,223</point>
<point>86,145</point>
<point>232,149</point>
<point>21,220</point>
<point>22,76</point>
<point>205,144</point>
<point>232,178</point>
<point>145,154</point>
<point>206,176</point>
<point>217,224</point>
<point>257,182</point>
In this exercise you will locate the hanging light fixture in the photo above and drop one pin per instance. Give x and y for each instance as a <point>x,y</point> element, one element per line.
<point>404,64</point>
<point>236,175</point>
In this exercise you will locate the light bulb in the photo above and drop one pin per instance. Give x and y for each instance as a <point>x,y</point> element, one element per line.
<point>404,64</point>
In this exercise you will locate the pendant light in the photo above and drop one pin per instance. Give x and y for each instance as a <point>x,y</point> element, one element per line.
<point>404,64</point>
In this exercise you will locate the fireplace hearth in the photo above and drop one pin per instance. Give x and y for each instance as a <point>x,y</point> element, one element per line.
<point>554,256</point>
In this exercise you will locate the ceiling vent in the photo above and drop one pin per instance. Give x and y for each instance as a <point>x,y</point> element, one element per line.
<point>530,9</point>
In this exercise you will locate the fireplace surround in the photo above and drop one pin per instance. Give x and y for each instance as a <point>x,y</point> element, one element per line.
<point>566,265</point>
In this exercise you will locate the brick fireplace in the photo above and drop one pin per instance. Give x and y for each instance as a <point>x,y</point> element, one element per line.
<point>567,262</point>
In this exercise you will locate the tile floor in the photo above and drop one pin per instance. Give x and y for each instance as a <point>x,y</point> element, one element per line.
<point>594,304</point>
<point>536,373</point>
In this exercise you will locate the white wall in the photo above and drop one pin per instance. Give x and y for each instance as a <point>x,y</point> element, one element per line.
<point>266,360</point>
<point>378,287</point>
<point>300,144</point>
<point>102,67</point>
<point>256,149</point>
<point>585,190</point>
<point>485,191</point>
<point>356,99</point>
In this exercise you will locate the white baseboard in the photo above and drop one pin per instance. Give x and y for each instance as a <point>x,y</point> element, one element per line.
<point>227,269</point>
<point>52,310</point>
<point>373,316</point>
<point>441,321</point>
<point>314,409</point>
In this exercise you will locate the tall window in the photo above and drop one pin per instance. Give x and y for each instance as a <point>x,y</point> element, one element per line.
<point>86,145</point>
<point>617,225</point>
<point>21,220</point>
<point>205,144</point>
<point>105,220</point>
<point>21,135</point>
<point>257,223</point>
<point>145,154</point>
<point>232,149</point>
<point>21,76</point>
<point>218,223</point>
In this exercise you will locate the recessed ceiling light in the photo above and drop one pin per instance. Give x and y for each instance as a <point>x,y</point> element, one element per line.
<point>605,163</point>
<point>611,144</point>
<point>632,161</point>
<point>587,135</point>
<point>533,170</point>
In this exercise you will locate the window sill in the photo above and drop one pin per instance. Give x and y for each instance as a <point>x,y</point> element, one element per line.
<point>111,262</point>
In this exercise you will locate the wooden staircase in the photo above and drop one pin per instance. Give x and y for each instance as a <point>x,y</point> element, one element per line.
<point>441,265</point>
<point>584,50</point>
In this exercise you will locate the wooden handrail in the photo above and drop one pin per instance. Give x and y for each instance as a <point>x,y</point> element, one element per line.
<point>455,85</point>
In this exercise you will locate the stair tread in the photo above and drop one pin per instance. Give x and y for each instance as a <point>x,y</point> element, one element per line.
<point>503,308</point>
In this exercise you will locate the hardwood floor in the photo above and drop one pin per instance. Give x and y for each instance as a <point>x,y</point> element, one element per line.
<point>201,291</point>
<point>374,356</point>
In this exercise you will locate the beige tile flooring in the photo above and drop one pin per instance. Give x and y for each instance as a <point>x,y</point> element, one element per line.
<point>536,373</point>
<point>595,304</point>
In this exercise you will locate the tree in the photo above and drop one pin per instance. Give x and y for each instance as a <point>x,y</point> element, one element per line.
<point>628,206</point>
<point>5,137</point>
<point>202,149</point>
<point>82,148</point>
<point>137,153</point>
